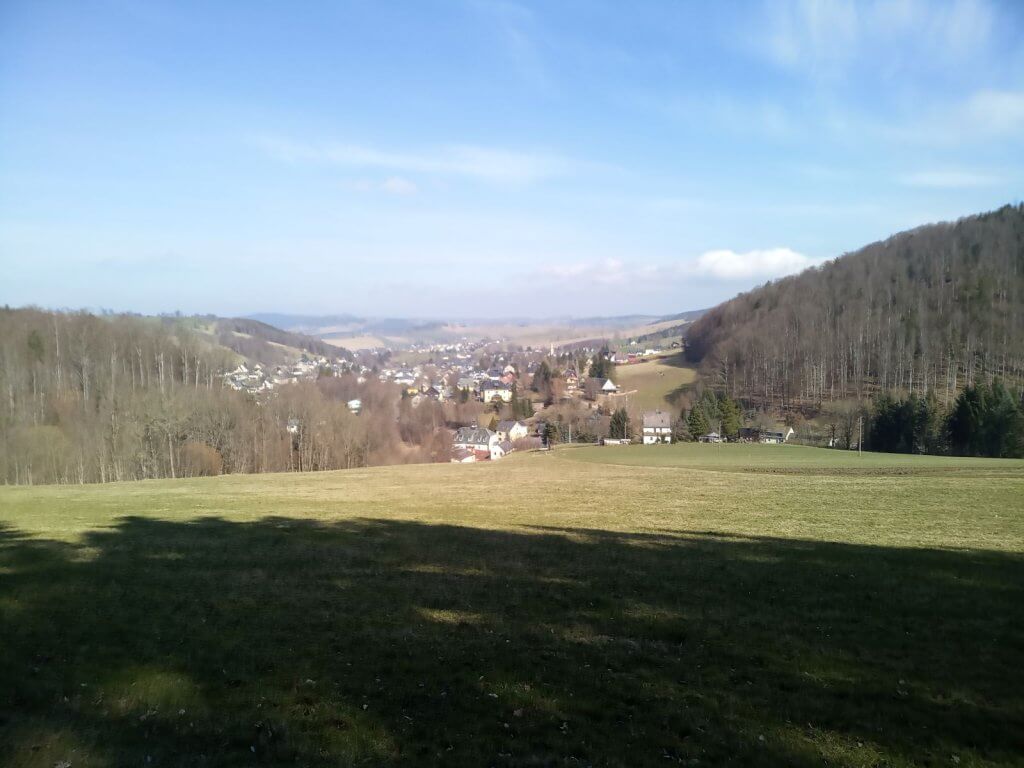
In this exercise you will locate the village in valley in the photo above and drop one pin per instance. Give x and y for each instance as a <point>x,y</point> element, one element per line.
<point>494,397</point>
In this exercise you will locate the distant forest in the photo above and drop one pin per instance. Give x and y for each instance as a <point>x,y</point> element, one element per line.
<point>86,398</point>
<point>927,312</point>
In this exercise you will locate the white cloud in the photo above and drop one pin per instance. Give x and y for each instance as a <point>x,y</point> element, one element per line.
<point>484,163</point>
<point>948,179</point>
<point>723,265</point>
<point>751,265</point>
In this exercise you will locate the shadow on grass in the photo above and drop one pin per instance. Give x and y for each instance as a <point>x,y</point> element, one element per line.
<point>383,643</point>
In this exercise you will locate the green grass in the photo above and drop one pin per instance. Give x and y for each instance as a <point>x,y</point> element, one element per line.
<point>586,607</point>
<point>656,381</point>
<point>792,459</point>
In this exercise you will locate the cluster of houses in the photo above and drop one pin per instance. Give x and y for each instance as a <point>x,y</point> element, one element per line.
<point>472,444</point>
<point>493,385</point>
<point>472,369</point>
<point>256,378</point>
<point>752,435</point>
<point>657,429</point>
<point>628,358</point>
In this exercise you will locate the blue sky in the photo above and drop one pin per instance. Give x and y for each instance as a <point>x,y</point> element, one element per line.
<point>466,158</point>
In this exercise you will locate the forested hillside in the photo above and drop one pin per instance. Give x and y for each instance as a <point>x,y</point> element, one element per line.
<point>86,398</point>
<point>266,344</point>
<point>931,310</point>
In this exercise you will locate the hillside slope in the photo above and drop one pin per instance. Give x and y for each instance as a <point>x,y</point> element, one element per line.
<point>928,309</point>
<point>263,343</point>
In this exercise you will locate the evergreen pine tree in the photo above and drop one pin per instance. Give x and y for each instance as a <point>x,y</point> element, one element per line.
<point>697,423</point>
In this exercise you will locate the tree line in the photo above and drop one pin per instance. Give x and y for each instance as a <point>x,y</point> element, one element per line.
<point>94,399</point>
<point>984,420</point>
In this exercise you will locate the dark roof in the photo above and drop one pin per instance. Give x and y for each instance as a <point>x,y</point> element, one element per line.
<point>506,424</point>
<point>473,436</point>
<point>657,419</point>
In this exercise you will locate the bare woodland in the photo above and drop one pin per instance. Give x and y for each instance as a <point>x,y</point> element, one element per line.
<point>85,398</point>
<point>928,311</point>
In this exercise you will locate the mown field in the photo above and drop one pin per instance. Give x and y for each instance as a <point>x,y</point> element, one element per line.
<point>655,381</point>
<point>637,606</point>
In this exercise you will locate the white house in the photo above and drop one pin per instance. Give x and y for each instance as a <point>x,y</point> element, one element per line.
<point>776,436</point>
<point>657,428</point>
<point>484,443</point>
<point>512,430</point>
<point>501,449</point>
<point>491,391</point>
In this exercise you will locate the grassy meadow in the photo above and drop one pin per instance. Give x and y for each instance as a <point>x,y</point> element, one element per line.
<point>703,605</point>
<point>655,381</point>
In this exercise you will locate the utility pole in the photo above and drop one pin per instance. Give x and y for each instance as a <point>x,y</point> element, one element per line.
<point>860,436</point>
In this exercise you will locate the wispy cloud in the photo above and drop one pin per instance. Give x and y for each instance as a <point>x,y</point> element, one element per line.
<point>823,38</point>
<point>604,272</point>
<point>483,163</point>
<point>392,185</point>
<point>997,112</point>
<point>517,30</point>
<point>948,179</point>
<point>396,185</point>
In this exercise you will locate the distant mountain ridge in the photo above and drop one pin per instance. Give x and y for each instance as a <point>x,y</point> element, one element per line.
<point>403,325</point>
<point>927,310</point>
<point>688,316</point>
<point>355,332</point>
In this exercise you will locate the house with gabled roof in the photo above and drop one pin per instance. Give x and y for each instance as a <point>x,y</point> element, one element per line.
<point>463,456</point>
<point>657,427</point>
<point>496,390</point>
<point>511,430</point>
<point>594,388</point>
<point>572,380</point>
<point>483,442</point>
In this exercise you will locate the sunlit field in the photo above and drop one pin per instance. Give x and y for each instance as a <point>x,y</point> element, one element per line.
<point>655,381</point>
<point>696,604</point>
<point>792,459</point>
